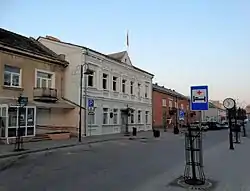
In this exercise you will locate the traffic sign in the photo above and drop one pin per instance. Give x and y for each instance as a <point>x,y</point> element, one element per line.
<point>181,115</point>
<point>22,101</point>
<point>199,98</point>
<point>91,103</point>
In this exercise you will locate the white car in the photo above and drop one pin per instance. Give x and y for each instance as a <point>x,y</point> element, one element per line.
<point>225,125</point>
<point>204,126</point>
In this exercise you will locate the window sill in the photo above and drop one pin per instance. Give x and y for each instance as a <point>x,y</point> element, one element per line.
<point>106,124</point>
<point>92,125</point>
<point>92,87</point>
<point>13,88</point>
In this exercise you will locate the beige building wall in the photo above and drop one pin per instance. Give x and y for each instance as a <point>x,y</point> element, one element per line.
<point>57,117</point>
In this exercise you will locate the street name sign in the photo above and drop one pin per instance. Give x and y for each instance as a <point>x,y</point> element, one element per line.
<point>199,98</point>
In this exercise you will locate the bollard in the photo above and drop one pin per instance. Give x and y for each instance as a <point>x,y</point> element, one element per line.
<point>156,133</point>
<point>134,133</point>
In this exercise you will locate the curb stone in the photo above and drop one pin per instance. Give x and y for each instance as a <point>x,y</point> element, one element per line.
<point>21,153</point>
<point>8,160</point>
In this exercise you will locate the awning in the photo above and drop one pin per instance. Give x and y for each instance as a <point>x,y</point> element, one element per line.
<point>59,104</point>
<point>12,102</point>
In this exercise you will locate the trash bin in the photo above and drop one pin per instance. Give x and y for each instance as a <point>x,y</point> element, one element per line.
<point>156,133</point>
<point>134,131</point>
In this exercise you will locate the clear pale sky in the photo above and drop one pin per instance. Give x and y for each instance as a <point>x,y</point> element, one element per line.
<point>182,42</point>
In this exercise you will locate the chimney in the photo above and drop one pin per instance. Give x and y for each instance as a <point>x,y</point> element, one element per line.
<point>174,91</point>
<point>52,38</point>
<point>156,84</point>
<point>62,56</point>
<point>162,86</point>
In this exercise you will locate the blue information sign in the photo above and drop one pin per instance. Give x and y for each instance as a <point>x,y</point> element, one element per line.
<point>181,115</point>
<point>199,98</point>
<point>91,103</point>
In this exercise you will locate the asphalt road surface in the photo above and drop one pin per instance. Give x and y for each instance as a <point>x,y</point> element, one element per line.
<point>111,166</point>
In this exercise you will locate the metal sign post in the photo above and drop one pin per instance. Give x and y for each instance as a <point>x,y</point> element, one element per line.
<point>229,104</point>
<point>194,174</point>
<point>91,111</point>
<point>21,103</point>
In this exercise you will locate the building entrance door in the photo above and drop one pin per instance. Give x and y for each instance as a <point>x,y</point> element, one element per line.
<point>124,119</point>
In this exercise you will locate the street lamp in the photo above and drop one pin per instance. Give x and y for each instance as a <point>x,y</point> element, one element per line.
<point>83,74</point>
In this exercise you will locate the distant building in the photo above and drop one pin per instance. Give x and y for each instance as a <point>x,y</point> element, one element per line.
<point>167,105</point>
<point>248,111</point>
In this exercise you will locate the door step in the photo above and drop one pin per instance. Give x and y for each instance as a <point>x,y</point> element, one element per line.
<point>41,137</point>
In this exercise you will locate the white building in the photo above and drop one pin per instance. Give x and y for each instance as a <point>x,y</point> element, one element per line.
<point>114,85</point>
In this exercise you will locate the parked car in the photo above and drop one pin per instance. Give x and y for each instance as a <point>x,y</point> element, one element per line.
<point>204,126</point>
<point>214,126</point>
<point>224,125</point>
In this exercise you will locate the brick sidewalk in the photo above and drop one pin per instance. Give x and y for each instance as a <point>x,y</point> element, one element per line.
<point>229,168</point>
<point>32,147</point>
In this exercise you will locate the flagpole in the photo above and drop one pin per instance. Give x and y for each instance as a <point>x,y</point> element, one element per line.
<point>127,43</point>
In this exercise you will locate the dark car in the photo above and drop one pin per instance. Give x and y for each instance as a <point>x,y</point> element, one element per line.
<point>213,126</point>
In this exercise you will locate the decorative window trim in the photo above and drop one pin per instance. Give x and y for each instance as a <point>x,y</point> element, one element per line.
<point>48,72</point>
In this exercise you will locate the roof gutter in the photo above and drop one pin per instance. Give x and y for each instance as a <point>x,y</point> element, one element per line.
<point>170,93</point>
<point>26,53</point>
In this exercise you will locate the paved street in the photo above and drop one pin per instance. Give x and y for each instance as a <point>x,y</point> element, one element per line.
<point>117,165</point>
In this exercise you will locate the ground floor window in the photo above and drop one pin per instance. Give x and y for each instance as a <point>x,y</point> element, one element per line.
<point>10,121</point>
<point>105,116</point>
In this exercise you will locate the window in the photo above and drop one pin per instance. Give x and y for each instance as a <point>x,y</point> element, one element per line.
<point>131,88</point>
<point>12,76</point>
<point>105,81</point>
<point>170,104</point>
<point>146,117</point>
<point>91,79</point>
<point>132,116</point>
<point>27,121</point>
<point>115,116</point>
<point>139,116</point>
<point>139,90</point>
<point>146,91</point>
<point>105,116</point>
<point>175,104</point>
<point>43,79</point>
<point>123,86</point>
<point>164,102</point>
<point>114,83</point>
<point>91,118</point>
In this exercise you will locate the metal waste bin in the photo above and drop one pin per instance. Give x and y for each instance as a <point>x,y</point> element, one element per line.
<point>134,133</point>
<point>156,133</point>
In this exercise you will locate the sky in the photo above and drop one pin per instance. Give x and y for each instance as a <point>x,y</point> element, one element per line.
<point>182,42</point>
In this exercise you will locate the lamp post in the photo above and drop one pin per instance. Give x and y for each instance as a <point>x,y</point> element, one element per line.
<point>176,129</point>
<point>176,115</point>
<point>83,74</point>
